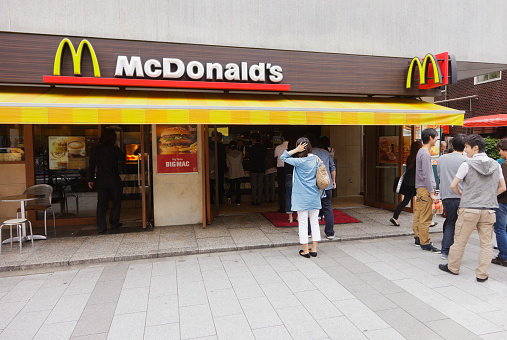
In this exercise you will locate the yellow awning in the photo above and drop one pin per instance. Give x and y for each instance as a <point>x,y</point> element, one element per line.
<point>24,105</point>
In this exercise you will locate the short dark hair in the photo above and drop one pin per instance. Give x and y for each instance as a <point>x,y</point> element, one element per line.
<point>427,133</point>
<point>474,140</point>
<point>256,137</point>
<point>233,144</point>
<point>502,144</point>
<point>312,139</point>
<point>308,148</point>
<point>458,142</point>
<point>324,140</point>
<point>107,136</point>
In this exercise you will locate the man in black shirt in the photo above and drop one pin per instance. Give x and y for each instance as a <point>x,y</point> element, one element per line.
<point>104,176</point>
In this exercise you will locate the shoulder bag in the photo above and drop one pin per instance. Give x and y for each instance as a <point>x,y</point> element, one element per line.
<point>323,180</point>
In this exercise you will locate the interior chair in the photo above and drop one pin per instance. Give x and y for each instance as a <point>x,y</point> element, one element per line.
<point>18,222</point>
<point>43,192</point>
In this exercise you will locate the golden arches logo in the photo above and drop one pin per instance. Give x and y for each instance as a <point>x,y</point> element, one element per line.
<point>76,57</point>
<point>423,70</point>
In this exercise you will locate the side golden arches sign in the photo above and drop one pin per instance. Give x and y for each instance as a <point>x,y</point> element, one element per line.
<point>76,57</point>
<point>56,115</point>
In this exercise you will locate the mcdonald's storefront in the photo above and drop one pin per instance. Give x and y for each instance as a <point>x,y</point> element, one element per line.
<point>167,101</point>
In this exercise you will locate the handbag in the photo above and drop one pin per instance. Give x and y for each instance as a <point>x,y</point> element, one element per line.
<point>323,180</point>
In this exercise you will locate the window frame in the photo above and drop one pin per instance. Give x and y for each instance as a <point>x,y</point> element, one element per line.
<point>477,82</point>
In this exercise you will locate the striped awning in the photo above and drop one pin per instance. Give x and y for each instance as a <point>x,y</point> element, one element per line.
<point>25,105</point>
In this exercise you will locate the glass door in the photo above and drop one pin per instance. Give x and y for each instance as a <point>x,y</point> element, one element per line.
<point>145,176</point>
<point>210,146</point>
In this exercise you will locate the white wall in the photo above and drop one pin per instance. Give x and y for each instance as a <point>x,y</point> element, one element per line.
<point>177,198</point>
<point>473,30</point>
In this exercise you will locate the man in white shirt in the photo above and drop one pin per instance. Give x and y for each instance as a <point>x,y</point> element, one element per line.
<point>482,181</point>
<point>280,174</point>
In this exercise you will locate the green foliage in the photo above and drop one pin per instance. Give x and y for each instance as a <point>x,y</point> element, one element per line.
<point>491,149</point>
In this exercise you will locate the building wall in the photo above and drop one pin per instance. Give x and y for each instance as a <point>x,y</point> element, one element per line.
<point>12,182</point>
<point>346,140</point>
<point>491,99</point>
<point>177,197</point>
<point>398,28</point>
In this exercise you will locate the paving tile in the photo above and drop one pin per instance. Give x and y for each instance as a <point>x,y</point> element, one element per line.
<point>318,305</point>
<point>296,281</point>
<point>224,302</point>
<point>300,324</point>
<point>162,310</point>
<point>127,326</point>
<point>280,263</point>
<point>280,296</point>
<point>222,243</point>
<point>469,301</point>
<point>30,323</point>
<point>360,315</point>
<point>236,268</point>
<point>162,332</point>
<point>310,270</point>
<point>102,336</point>
<point>106,291</point>
<point>405,324</point>
<point>254,259</point>
<point>196,321</point>
<point>44,299</point>
<point>371,298</point>
<point>23,291</point>
<point>189,273</point>
<point>8,311</point>
<point>417,308</point>
<point>84,282</point>
<point>192,293</point>
<point>133,300</point>
<point>233,327</point>
<point>165,267</point>
<point>332,289</point>
<point>384,334</point>
<point>62,330</point>
<point>260,313</point>
<point>163,285</point>
<point>344,276</point>
<point>341,328</point>
<point>380,283</point>
<point>265,275</point>
<point>7,283</point>
<point>68,308</point>
<point>246,287</point>
<point>216,280</point>
<point>136,281</point>
<point>95,319</point>
<point>210,263</point>
<point>274,332</point>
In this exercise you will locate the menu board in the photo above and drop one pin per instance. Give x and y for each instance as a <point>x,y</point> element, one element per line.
<point>67,152</point>
<point>176,149</point>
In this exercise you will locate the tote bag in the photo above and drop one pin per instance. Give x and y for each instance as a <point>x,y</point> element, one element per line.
<point>323,180</point>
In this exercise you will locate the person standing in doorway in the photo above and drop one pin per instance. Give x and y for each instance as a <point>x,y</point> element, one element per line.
<point>501,212</point>
<point>407,188</point>
<point>104,176</point>
<point>280,174</point>
<point>327,194</point>
<point>305,193</point>
<point>482,181</point>
<point>447,168</point>
<point>270,174</point>
<point>236,173</point>
<point>425,192</point>
<point>257,155</point>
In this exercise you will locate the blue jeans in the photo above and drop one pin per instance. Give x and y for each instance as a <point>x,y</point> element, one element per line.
<point>500,231</point>
<point>451,206</point>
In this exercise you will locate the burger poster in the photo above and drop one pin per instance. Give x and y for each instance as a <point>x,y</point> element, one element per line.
<point>176,149</point>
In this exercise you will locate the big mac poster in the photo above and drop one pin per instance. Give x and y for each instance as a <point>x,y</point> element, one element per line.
<point>176,149</point>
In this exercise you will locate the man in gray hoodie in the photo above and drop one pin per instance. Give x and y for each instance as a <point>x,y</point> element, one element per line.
<point>482,181</point>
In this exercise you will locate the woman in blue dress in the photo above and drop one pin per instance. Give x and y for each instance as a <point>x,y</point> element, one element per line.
<point>305,193</point>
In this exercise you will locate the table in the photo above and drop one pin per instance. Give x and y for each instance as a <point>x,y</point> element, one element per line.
<point>22,199</point>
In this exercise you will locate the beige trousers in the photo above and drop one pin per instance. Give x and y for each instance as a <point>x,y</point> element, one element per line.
<point>422,215</point>
<point>468,220</point>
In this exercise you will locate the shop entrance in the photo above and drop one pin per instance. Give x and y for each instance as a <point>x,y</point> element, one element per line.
<point>346,142</point>
<point>66,170</point>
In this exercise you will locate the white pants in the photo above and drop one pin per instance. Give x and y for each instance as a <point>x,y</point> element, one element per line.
<point>303,225</point>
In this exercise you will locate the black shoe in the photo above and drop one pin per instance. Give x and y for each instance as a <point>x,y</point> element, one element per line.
<point>281,211</point>
<point>500,261</point>
<point>116,226</point>
<point>307,255</point>
<point>445,268</point>
<point>433,224</point>
<point>482,280</point>
<point>394,222</point>
<point>416,241</point>
<point>430,248</point>
<point>313,253</point>
<point>101,232</point>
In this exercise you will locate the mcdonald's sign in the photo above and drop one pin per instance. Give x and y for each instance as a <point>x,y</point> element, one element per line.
<point>434,71</point>
<point>77,57</point>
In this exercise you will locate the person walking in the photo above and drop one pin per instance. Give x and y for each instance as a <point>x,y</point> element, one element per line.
<point>501,212</point>
<point>447,168</point>
<point>257,155</point>
<point>407,188</point>
<point>234,162</point>
<point>327,194</point>
<point>280,174</point>
<point>482,181</point>
<point>104,176</point>
<point>270,174</point>
<point>305,193</point>
<point>425,192</point>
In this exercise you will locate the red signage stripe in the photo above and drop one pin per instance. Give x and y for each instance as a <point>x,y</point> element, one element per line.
<point>63,80</point>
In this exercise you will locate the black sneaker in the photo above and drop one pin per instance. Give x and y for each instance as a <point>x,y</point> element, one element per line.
<point>445,268</point>
<point>430,248</point>
<point>482,280</point>
<point>416,241</point>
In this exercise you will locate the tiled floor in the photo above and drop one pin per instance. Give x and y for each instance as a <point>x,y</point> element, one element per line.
<point>364,289</point>
<point>228,232</point>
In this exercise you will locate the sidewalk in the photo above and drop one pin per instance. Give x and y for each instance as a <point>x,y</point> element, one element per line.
<point>227,233</point>
<point>366,289</point>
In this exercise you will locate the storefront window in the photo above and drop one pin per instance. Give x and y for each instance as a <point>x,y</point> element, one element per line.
<point>12,148</point>
<point>61,155</point>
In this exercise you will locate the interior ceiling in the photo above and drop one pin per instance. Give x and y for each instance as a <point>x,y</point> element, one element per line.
<point>468,69</point>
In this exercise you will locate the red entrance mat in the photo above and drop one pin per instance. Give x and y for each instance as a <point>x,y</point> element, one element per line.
<point>282,219</point>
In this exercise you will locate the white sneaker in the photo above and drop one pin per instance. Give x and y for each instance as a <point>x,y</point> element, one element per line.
<point>330,237</point>
<point>444,257</point>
